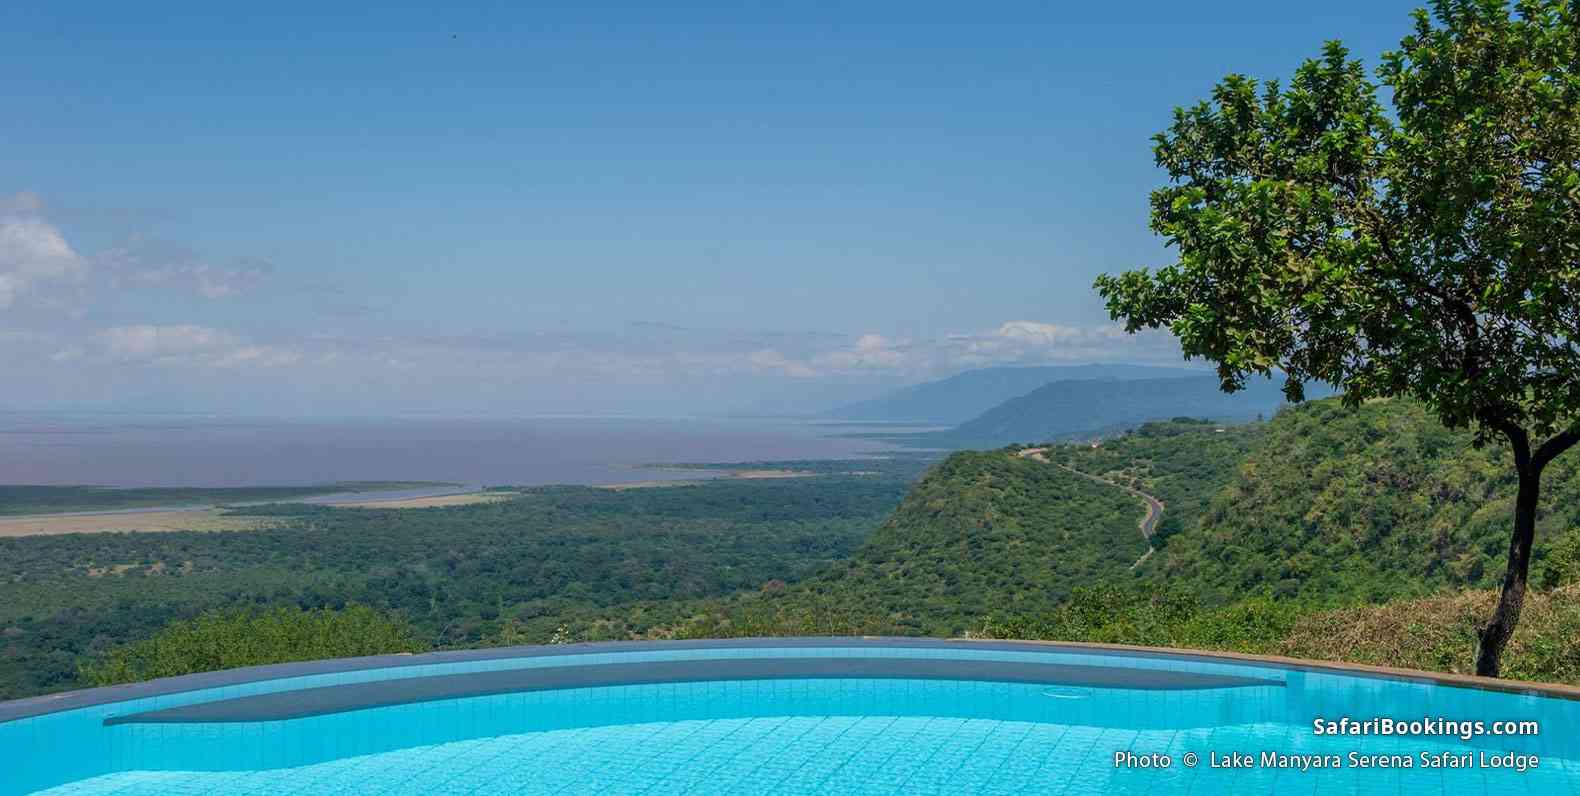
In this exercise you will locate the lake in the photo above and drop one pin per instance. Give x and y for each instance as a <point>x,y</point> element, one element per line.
<point>199,450</point>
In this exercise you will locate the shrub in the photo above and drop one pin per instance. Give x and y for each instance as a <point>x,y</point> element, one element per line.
<point>236,637</point>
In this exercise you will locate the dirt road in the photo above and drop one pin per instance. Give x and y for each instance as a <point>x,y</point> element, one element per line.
<point>1148,524</point>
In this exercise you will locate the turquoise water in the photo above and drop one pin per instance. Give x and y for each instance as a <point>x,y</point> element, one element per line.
<point>803,736</point>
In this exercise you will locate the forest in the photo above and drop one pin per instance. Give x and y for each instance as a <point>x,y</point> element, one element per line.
<point>1183,463</point>
<point>1372,503</point>
<point>460,575</point>
<point>983,531</point>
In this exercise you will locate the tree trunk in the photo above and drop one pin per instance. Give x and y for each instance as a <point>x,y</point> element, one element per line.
<point>1495,636</point>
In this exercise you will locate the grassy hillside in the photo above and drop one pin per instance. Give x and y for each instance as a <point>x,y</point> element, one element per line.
<point>981,532</point>
<point>1182,462</point>
<point>1369,503</point>
<point>1285,534</point>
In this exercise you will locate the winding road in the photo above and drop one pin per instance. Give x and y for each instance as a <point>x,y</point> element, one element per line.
<point>1148,524</point>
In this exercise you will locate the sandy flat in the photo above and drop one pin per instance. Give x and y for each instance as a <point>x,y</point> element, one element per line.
<point>428,502</point>
<point>205,520</point>
<point>754,474</point>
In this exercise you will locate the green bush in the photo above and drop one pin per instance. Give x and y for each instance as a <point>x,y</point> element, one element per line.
<point>1161,619</point>
<point>1252,625</point>
<point>1562,565</point>
<point>1438,633</point>
<point>231,638</point>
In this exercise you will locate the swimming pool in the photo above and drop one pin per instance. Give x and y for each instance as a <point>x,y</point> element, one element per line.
<point>792,716</point>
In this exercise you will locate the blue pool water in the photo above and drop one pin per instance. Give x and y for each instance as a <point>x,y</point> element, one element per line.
<point>841,735</point>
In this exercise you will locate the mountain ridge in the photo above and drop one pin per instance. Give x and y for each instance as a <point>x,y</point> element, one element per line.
<point>1089,408</point>
<point>963,396</point>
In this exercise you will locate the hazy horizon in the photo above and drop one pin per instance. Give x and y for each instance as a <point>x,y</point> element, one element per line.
<point>149,450</point>
<point>811,405</point>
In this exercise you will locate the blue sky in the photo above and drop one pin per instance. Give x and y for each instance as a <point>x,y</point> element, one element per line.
<point>518,207</point>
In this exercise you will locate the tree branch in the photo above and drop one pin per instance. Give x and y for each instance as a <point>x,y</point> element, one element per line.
<point>1402,268</point>
<point>1556,445</point>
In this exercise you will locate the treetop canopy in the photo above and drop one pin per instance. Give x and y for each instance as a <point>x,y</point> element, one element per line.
<point>1431,251</point>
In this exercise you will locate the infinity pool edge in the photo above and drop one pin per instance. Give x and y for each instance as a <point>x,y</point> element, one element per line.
<point>71,700</point>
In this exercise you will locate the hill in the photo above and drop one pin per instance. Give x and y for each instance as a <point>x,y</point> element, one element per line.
<point>1375,502</point>
<point>1086,408</point>
<point>1322,509</point>
<point>981,532</point>
<point>1182,462</point>
<point>964,396</point>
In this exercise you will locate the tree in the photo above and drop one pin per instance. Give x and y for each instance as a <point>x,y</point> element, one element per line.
<point>1431,252</point>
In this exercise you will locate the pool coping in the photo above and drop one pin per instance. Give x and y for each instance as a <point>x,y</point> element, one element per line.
<point>46,704</point>
<point>401,691</point>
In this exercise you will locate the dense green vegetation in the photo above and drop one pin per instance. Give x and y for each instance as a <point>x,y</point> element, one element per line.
<point>1183,463</point>
<point>1328,503</point>
<point>612,563</point>
<point>1433,633</point>
<point>235,637</point>
<point>18,499</point>
<point>1386,502</point>
<point>986,543</point>
<point>903,463</point>
<point>983,531</point>
<point>991,532</point>
<point>1373,502</point>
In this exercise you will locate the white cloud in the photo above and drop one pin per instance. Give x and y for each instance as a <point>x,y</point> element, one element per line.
<point>1039,333</point>
<point>152,342</point>
<point>189,345</point>
<point>49,291</point>
<point>1018,342</point>
<point>771,360</point>
<point>38,263</point>
<point>33,252</point>
<point>869,352</point>
<point>607,359</point>
<point>142,262</point>
<point>261,356</point>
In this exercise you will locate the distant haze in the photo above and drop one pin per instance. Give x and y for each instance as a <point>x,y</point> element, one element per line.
<point>193,451</point>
